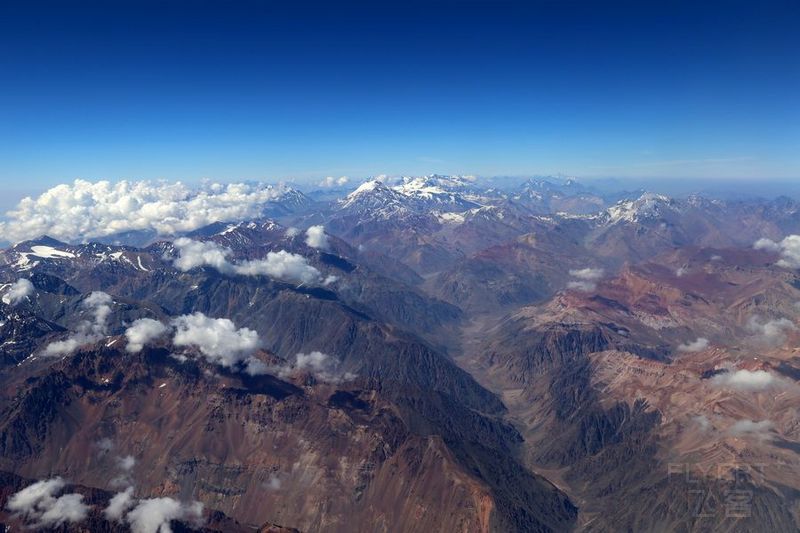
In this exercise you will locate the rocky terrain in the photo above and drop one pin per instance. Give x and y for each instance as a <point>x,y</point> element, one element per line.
<point>421,354</point>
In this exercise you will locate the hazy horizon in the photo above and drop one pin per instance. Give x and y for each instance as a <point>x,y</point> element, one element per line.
<point>678,187</point>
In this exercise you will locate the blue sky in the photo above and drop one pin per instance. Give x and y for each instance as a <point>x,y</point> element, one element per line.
<point>260,90</point>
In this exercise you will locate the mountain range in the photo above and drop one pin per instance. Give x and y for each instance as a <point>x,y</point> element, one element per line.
<point>434,353</point>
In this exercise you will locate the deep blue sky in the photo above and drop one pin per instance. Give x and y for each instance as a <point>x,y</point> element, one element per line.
<point>261,90</point>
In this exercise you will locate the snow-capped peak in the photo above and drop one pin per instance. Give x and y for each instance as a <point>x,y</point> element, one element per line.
<point>648,205</point>
<point>448,192</point>
<point>367,186</point>
<point>411,195</point>
<point>422,187</point>
<point>373,195</point>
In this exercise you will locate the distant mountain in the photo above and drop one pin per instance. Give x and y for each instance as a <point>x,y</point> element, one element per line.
<point>290,201</point>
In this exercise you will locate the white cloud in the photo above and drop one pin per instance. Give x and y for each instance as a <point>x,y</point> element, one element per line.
<point>789,249</point>
<point>585,286</point>
<point>38,503</point>
<point>154,515</point>
<point>68,345</point>
<point>312,361</point>
<point>99,304</point>
<point>330,181</point>
<point>587,274</point>
<point>281,265</point>
<point>697,345</point>
<point>126,463</point>
<point>105,445</point>
<point>587,278</point>
<point>320,365</point>
<point>745,380</point>
<point>790,252</point>
<point>748,427</point>
<point>767,244</point>
<point>316,238</point>
<point>20,289</point>
<point>119,504</point>
<point>66,508</point>
<point>143,331</point>
<point>292,232</point>
<point>193,254</point>
<point>680,272</point>
<point>218,340</point>
<point>83,210</point>
<point>770,332</point>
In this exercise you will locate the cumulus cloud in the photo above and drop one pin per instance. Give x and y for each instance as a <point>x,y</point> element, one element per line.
<point>586,279</point>
<point>193,254</point>
<point>125,465</point>
<point>98,304</point>
<point>67,346</point>
<point>154,515</point>
<point>219,341</point>
<point>587,274</point>
<point>83,210</point>
<point>789,249</point>
<point>292,232</point>
<point>38,503</point>
<point>750,427</point>
<point>281,265</point>
<point>330,181</point>
<point>316,238</point>
<point>119,504</point>
<point>790,252</point>
<point>767,244</point>
<point>745,380</point>
<point>19,290</point>
<point>770,332</point>
<point>143,331</point>
<point>697,345</point>
<point>320,365</point>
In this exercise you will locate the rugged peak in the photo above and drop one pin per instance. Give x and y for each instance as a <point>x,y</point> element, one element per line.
<point>436,181</point>
<point>649,205</point>
<point>291,197</point>
<point>367,187</point>
<point>441,192</point>
<point>44,240</point>
<point>371,194</point>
